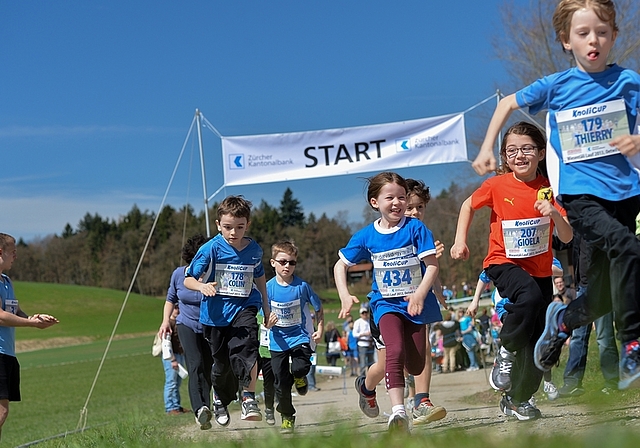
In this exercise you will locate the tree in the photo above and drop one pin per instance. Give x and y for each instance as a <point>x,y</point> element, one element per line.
<point>290,210</point>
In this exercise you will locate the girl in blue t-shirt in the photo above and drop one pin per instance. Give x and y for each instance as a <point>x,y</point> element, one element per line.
<point>403,251</point>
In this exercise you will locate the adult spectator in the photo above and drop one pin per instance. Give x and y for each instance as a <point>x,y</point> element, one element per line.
<point>196,348</point>
<point>362,332</point>
<point>568,294</point>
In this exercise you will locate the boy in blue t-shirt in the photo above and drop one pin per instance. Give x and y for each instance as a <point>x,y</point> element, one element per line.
<point>233,288</point>
<point>290,338</point>
<point>592,160</point>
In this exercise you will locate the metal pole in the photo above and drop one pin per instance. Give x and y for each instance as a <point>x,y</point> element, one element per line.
<point>204,179</point>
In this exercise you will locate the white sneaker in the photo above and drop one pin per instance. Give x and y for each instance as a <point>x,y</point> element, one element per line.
<point>551,390</point>
<point>398,421</point>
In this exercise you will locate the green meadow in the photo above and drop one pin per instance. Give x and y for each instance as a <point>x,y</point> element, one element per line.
<point>126,405</point>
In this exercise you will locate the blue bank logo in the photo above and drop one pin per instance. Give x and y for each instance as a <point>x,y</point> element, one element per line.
<point>403,145</point>
<point>236,161</point>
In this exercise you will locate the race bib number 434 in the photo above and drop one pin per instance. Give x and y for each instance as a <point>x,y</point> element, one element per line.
<point>398,277</point>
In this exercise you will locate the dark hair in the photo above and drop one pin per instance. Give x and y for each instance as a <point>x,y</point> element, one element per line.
<point>236,206</point>
<point>375,184</point>
<point>418,188</point>
<point>191,247</point>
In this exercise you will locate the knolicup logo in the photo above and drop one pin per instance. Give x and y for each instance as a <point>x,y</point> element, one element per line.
<point>236,161</point>
<point>403,145</point>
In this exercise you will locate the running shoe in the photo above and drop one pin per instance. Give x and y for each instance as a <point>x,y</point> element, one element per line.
<point>269,417</point>
<point>500,377</point>
<point>546,353</point>
<point>522,411</point>
<point>250,411</point>
<point>630,366</point>
<point>302,386</point>
<point>203,418</point>
<point>221,414</point>
<point>569,390</point>
<point>551,390</point>
<point>398,422</point>
<point>426,412</point>
<point>368,403</point>
<point>288,424</point>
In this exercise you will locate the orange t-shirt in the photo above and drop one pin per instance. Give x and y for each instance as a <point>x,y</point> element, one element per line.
<point>514,217</point>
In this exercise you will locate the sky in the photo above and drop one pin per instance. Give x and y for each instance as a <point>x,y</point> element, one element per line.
<point>97,98</point>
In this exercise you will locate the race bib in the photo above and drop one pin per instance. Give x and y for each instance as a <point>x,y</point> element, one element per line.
<point>264,336</point>
<point>235,280</point>
<point>525,238</point>
<point>288,313</point>
<point>585,132</point>
<point>11,306</point>
<point>397,277</point>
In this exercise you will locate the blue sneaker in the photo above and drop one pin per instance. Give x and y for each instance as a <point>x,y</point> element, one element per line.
<point>630,366</point>
<point>546,353</point>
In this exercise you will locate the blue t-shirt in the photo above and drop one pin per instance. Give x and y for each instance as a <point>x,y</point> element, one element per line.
<point>610,177</point>
<point>396,255</point>
<point>187,300</point>
<point>9,305</point>
<point>234,271</point>
<point>289,302</point>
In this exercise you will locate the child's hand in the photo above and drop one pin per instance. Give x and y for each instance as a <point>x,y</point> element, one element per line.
<point>459,251</point>
<point>346,304</point>
<point>208,289</point>
<point>316,336</point>
<point>472,309</point>
<point>628,145</point>
<point>271,320</point>
<point>484,162</point>
<point>545,208</point>
<point>439,248</point>
<point>416,304</point>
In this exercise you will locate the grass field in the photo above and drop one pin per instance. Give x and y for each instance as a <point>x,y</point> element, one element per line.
<point>126,406</point>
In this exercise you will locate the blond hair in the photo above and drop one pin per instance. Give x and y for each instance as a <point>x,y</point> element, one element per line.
<point>604,9</point>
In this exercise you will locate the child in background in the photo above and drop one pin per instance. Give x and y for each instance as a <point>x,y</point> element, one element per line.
<point>404,262</point>
<point>519,261</point>
<point>264,365</point>
<point>172,380</point>
<point>594,146</point>
<point>289,298</point>
<point>233,290</point>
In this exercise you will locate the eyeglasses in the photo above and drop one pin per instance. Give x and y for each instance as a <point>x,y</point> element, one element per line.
<point>286,262</point>
<point>527,150</point>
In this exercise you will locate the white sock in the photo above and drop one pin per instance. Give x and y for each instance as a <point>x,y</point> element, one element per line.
<point>398,409</point>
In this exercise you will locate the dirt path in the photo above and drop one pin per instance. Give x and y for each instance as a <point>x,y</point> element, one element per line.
<point>470,402</point>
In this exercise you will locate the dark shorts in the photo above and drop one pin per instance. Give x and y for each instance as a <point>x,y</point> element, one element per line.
<point>9,378</point>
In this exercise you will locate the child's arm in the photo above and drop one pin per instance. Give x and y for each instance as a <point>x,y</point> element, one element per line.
<point>628,145</point>
<point>563,228</point>
<point>317,335</point>
<point>207,289</point>
<point>261,284</point>
<point>459,250</point>
<point>486,161</point>
<point>472,309</point>
<point>346,299</point>
<point>21,319</point>
<point>437,290</point>
<point>416,299</point>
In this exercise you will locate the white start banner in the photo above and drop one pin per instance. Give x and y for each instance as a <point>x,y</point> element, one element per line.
<point>256,159</point>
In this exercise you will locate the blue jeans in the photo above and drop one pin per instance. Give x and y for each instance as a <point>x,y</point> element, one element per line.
<point>365,358</point>
<point>172,382</point>
<point>579,347</point>
<point>469,340</point>
<point>311,377</point>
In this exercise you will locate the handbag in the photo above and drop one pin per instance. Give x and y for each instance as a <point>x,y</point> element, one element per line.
<point>156,348</point>
<point>333,347</point>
